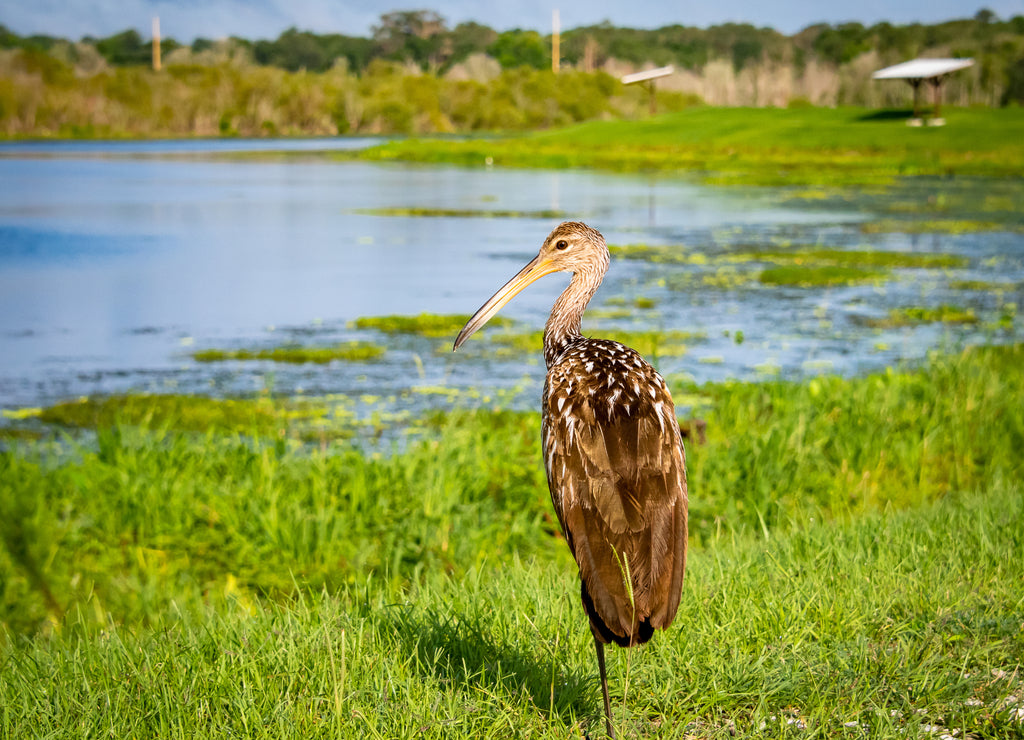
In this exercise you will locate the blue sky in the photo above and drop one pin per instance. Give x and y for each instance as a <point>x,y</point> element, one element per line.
<point>186,19</point>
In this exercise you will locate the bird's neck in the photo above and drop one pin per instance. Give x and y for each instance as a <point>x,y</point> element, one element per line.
<point>563,326</point>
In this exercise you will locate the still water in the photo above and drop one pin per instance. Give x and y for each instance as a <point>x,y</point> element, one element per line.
<point>117,261</point>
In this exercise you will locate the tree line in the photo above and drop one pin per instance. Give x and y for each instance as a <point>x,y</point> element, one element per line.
<point>423,38</point>
<point>416,75</point>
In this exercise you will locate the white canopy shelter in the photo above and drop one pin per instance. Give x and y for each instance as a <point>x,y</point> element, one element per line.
<point>917,71</point>
<point>647,77</point>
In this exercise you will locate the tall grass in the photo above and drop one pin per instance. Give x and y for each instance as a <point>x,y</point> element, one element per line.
<point>148,518</point>
<point>854,574</point>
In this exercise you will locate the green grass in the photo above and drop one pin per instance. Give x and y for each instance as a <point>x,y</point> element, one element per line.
<point>852,560</point>
<point>347,352</point>
<point>758,146</point>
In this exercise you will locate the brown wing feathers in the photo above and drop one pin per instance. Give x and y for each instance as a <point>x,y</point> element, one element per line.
<point>615,469</point>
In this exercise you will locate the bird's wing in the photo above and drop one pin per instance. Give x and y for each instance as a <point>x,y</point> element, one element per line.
<point>618,483</point>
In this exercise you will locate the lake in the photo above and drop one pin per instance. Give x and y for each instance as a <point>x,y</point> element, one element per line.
<point>119,260</point>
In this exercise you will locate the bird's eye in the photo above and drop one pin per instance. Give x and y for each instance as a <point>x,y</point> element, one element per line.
<point>561,244</point>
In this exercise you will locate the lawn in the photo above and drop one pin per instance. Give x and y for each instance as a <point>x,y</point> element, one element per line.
<point>757,146</point>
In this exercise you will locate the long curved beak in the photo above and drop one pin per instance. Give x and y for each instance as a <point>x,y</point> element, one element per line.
<point>534,270</point>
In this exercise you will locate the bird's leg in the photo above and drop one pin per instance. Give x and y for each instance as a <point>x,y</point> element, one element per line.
<point>599,646</point>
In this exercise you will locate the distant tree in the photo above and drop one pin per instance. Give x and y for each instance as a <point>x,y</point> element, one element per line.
<point>293,50</point>
<point>125,48</point>
<point>1014,92</point>
<point>469,38</point>
<point>904,40</point>
<point>840,44</point>
<point>519,48</point>
<point>415,35</point>
<point>985,16</point>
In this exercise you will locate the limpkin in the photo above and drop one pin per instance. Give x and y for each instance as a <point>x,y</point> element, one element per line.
<point>613,454</point>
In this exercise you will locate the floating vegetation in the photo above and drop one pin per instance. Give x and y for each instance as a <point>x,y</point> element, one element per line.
<point>988,286</point>
<point>802,276</point>
<point>914,315</point>
<point>676,254</point>
<point>296,418</point>
<point>854,258</point>
<point>610,313</point>
<point>642,302</point>
<point>192,413</point>
<point>672,343</point>
<point>424,325</point>
<point>725,277</point>
<point>937,226</point>
<point>349,352</point>
<point>416,212</point>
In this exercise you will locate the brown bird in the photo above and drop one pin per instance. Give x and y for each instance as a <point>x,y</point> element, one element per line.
<point>612,451</point>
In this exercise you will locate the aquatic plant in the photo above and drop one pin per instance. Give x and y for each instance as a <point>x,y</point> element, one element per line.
<point>989,286</point>
<point>912,315</point>
<point>658,254</point>
<point>417,212</point>
<point>820,256</point>
<point>938,226</point>
<point>424,324</point>
<point>814,276</point>
<point>349,352</point>
<point>298,418</point>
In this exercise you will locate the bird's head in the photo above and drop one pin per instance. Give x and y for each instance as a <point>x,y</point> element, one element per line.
<point>571,247</point>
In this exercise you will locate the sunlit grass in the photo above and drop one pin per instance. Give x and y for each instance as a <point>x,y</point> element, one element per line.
<point>833,148</point>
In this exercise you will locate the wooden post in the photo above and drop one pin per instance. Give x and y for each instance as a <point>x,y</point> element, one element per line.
<point>916,84</point>
<point>555,40</point>
<point>156,43</point>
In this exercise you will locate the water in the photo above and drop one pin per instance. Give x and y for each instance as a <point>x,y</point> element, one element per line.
<point>117,261</point>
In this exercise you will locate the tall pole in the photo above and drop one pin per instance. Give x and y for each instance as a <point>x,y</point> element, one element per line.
<point>555,40</point>
<point>156,43</point>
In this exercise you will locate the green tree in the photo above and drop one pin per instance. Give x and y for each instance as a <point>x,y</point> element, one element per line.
<point>125,48</point>
<point>840,44</point>
<point>519,48</point>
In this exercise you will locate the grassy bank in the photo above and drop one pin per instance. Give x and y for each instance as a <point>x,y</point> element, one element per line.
<point>895,625</point>
<point>852,563</point>
<point>819,146</point>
